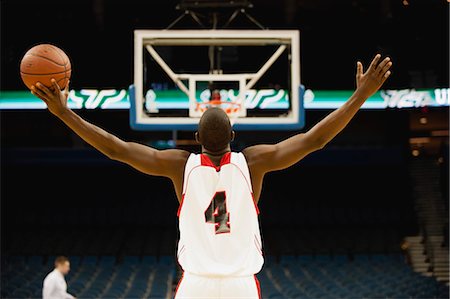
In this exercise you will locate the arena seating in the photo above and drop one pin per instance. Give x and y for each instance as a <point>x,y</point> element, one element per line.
<point>375,276</point>
<point>93,277</point>
<point>320,276</point>
<point>121,241</point>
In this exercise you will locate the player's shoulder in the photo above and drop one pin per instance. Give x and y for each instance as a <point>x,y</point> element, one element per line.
<point>258,152</point>
<point>259,157</point>
<point>172,160</point>
<point>182,156</point>
<point>175,154</point>
<point>183,153</point>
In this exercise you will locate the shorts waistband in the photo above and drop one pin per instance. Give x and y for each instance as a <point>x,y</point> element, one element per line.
<point>215,276</point>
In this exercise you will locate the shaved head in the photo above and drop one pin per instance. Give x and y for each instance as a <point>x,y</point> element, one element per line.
<point>214,130</point>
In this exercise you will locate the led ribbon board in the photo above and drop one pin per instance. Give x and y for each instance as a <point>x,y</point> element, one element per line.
<point>264,99</point>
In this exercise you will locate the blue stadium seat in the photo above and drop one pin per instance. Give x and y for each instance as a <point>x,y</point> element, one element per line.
<point>131,260</point>
<point>107,260</point>
<point>305,258</point>
<point>35,260</point>
<point>75,260</point>
<point>90,260</point>
<point>149,259</point>
<point>166,260</point>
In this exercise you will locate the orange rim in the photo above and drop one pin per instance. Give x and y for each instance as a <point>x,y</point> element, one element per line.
<point>233,106</point>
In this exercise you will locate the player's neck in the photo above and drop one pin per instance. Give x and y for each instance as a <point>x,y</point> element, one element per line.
<point>216,154</point>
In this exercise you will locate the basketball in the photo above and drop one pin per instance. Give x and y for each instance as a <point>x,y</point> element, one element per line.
<point>44,62</point>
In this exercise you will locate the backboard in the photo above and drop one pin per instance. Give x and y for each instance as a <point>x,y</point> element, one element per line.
<point>180,73</point>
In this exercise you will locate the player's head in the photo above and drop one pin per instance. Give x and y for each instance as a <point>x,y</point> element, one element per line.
<point>62,264</point>
<point>214,130</point>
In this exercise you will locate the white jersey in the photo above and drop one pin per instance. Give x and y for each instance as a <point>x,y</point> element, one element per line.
<point>218,218</point>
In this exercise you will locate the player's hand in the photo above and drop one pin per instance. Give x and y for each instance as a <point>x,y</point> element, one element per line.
<point>369,82</point>
<point>55,99</point>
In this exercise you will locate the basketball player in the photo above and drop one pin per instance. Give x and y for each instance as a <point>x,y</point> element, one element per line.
<point>220,245</point>
<point>55,286</point>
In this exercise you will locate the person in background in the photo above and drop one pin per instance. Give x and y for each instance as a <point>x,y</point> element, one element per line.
<point>55,286</point>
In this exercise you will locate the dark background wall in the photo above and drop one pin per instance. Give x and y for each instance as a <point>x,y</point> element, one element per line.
<point>98,35</point>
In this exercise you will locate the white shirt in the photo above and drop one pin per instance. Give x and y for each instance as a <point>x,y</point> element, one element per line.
<point>55,286</point>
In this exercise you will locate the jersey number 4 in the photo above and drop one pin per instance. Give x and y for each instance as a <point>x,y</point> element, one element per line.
<point>217,213</point>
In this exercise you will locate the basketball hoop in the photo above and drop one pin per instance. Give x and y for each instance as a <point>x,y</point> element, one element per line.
<point>236,87</point>
<point>231,108</point>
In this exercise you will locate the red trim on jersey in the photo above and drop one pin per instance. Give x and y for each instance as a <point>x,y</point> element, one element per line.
<point>258,245</point>
<point>225,159</point>
<point>206,161</point>
<point>181,205</point>
<point>255,204</point>
<point>178,285</point>
<point>258,287</point>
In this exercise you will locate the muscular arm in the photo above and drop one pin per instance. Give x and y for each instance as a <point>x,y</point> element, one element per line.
<point>169,163</point>
<point>144,158</point>
<point>266,158</point>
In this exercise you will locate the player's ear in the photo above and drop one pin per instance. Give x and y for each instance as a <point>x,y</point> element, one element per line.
<point>233,134</point>
<point>197,137</point>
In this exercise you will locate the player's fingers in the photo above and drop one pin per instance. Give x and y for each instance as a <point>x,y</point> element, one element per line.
<point>43,89</point>
<point>66,89</point>
<point>374,62</point>
<point>382,65</point>
<point>386,68</point>
<point>385,77</point>
<point>39,96</point>
<point>43,99</point>
<point>359,69</point>
<point>38,92</point>
<point>55,85</point>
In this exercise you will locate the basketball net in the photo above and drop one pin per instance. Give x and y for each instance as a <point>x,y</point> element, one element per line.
<point>231,108</point>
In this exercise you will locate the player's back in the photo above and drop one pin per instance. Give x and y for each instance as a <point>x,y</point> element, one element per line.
<point>218,218</point>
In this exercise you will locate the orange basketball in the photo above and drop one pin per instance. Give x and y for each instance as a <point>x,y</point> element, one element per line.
<point>44,62</point>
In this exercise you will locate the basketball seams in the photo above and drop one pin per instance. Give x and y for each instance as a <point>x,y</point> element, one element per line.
<point>62,55</point>
<point>65,81</point>
<point>46,58</point>
<point>65,66</point>
<point>56,73</point>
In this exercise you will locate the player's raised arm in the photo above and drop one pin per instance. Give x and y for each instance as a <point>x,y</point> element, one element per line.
<point>169,163</point>
<point>266,158</point>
